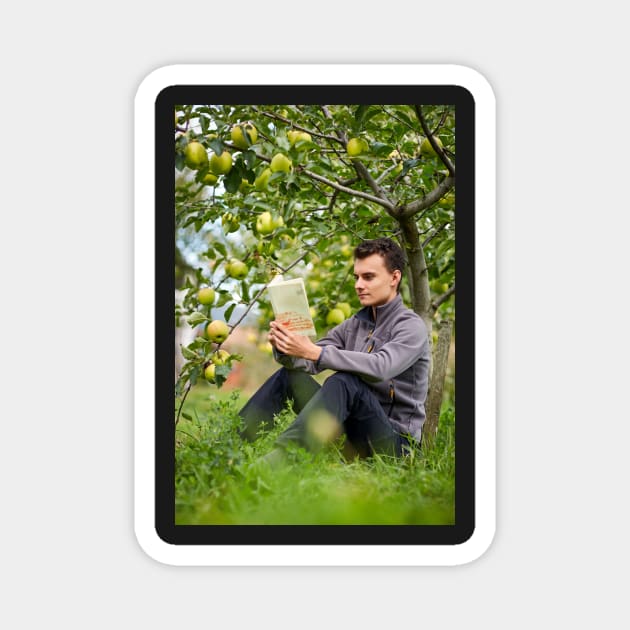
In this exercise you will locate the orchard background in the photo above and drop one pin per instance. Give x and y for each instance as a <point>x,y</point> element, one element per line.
<point>292,189</point>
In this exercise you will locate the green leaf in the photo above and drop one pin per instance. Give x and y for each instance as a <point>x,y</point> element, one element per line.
<point>228,311</point>
<point>408,165</point>
<point>224,298</point>
<point>221,373</point>
<point>197,318</point>
<point>250,159</point>
<point>406,119</point>
<point>217,146</point>
<point>381,148</point>
<point>189,355</point>
<point>245,291</point>
<point>232,181</point>
<point>194,374</point>
<point>359,115</point>
<point>220,247</point>
<point>275,176</point>
<point>264,206</point>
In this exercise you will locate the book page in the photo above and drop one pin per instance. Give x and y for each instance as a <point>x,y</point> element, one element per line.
<point>290,306</point>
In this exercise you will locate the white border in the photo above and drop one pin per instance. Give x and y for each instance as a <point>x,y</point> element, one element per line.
<point>485,328</point>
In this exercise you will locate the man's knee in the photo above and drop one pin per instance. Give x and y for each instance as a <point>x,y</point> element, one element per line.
<point>345,378</point>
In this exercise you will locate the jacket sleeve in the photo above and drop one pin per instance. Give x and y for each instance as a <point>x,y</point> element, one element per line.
<point>407,344</point>
<point>335,338</point>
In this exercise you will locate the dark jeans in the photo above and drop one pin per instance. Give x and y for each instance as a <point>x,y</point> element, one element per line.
<point>344,403</point>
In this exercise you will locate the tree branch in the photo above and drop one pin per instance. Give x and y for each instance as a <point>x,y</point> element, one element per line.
<point>385,203</point>
<point>434,144</point>
<point>435,233</point>
<point>386,172</point>
<point>286,121</point>
<point>435,305</point>
<point>181,404</point>
<point>388,205</point>
<point>362,171</point>
<point>418,205</point>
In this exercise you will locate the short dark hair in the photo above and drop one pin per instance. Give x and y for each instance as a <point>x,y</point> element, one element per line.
<point>391,252</point>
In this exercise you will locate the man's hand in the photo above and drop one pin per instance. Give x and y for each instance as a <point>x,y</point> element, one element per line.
<point>292,344</point>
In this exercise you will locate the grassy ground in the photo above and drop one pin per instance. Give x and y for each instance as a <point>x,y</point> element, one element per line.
<point>218,482</point>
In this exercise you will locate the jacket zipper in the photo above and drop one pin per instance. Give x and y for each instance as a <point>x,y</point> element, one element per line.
<point>392,397</point>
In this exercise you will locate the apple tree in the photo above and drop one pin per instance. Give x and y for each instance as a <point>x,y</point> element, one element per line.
<point>292,189</point>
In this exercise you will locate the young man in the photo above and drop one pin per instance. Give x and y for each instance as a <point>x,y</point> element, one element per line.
<point>381,361</point>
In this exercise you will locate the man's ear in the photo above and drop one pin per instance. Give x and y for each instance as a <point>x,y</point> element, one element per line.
<point>396,276</point>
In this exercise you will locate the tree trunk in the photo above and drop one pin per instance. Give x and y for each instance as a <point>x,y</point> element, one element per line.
<point>421,304</point>
<point>436,387</point>
<point>417,272</point>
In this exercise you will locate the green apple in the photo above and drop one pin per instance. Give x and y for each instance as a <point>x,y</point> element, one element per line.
<point>264,223</point>
<point>221,164</point>
<point>260,183</point>
<point>217,331</point>
<point>287,241</point>
<point>447,201</point>
<point>206,296</point>
<point>345,308</point>
<point>426,149</point>
<point>209,372</point>
<point>346,250</point>
<point>237,269</point>
<point>335,317</point>
<point>220,357</point>
<point>356,146</point>
<point>438,286</point>
<point>244,186</point>
<point>280,162</point>
<point>266,347</point>
<point>195,155</point>
<point>230,223</point>
<point>210,179</point>
<point>277,222</point>
<point>298,136</point>
<point>265,247</point>
<point>244,135</point>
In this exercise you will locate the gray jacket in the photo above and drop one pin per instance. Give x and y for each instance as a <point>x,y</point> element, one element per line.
<point>390,353</point>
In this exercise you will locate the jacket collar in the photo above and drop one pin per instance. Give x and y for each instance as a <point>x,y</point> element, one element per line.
<point>365,314</point>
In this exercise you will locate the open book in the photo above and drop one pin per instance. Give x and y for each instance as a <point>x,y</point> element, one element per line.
<point>290,305</point>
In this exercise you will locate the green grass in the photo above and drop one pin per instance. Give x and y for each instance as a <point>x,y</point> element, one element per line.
<point>217,479</point>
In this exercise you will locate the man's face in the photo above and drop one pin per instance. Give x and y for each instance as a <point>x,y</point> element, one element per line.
<point>373,283</point>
